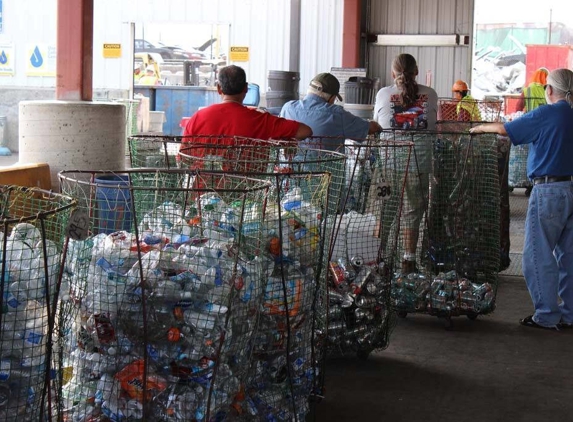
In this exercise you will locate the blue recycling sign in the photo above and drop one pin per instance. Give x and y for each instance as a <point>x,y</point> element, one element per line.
<point>36,59</point>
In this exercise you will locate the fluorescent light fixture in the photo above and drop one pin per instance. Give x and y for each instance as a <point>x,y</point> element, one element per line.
<point>450,40</point>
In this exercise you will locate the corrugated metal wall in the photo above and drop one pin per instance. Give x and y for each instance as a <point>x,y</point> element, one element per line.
<point>423,17</point>
<point>263,25</point>
<point>321,38</point>
<point>27,23</point>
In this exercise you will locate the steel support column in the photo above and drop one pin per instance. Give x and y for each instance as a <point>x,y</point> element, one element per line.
<point>351,33</point>
<point>75,50</point>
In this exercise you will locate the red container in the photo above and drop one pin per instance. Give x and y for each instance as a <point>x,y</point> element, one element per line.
<point>549,56</point>
<point>510,103</point>
<point>183,123</point>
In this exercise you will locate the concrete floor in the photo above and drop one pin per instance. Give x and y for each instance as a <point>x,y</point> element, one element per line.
<point>491,369</point>
<point>8,160</point>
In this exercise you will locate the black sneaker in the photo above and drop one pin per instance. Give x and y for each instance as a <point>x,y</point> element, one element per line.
<point>564,325</point>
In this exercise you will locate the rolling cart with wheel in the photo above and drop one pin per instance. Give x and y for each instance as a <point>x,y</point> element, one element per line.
<point>460,249</point>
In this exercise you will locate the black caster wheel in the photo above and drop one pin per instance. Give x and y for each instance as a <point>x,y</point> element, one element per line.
<point>402,314</point>
<point>363,354</point>
<point>528,191</point>
<point>510,189</point>
<point>472,316</point>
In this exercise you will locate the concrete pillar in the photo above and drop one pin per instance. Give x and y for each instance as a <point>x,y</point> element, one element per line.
<point>72,135</point>
<point>75,50</point>
<point>351,33</point>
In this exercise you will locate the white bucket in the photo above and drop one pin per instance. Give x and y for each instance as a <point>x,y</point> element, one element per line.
<point>366,111</point>
<point>156,120</point>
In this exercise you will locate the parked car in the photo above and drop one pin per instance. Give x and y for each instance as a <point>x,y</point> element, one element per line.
<point>143,46</point>
<point>185,54</point>
<point>175,52</point>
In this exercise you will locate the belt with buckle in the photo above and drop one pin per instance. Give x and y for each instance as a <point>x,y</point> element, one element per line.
<point>551,179</point>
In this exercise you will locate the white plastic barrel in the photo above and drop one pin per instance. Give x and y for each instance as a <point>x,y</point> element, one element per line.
<point>366,111</point>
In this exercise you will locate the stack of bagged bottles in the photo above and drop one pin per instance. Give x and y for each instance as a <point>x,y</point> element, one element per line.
<point>203,311</point>
<point>32,227</point>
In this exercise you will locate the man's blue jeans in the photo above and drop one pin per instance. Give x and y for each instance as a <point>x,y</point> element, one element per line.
<point>548,252</point>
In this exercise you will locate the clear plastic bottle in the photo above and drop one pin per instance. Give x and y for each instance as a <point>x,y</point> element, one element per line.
<point>34,341</point>
<point>200,320</point>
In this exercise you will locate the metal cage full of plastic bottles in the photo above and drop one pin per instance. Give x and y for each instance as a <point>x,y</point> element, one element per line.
<point>33,226</point>
<point>518,168</point>
<point>364,245</point>
<point>154,151</point>
<point>165,292</point>
<point>287,365</point>
<point>503,169</point>
<point>455,247</point>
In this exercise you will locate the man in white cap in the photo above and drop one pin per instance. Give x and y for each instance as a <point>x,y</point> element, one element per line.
<point>325,118</point>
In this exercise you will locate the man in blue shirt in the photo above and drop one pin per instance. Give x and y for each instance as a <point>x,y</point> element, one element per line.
<point>548,247</point>
<point>325,118</point>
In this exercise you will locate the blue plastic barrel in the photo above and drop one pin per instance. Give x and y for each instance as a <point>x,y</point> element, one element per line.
<point>113,203</point>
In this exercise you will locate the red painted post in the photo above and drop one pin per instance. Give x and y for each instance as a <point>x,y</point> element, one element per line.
<point>351,33</point>
<point>75,50</point>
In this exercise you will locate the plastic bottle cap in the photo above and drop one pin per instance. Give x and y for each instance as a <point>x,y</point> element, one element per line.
<point>173,334</point>
<point>178,313</point>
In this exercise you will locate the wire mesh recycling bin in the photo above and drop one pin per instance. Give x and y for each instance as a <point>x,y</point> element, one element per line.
<point>457,250</point>
<point>162,313</point>
<point>154,151</point>
<point>477,110</point>
<point>503,167</point>
<point>517,176</point>
<point>33,225</point>
<point>288,355</point>
<point>364,246</point>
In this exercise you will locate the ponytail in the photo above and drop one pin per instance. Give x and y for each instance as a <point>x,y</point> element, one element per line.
<point>405,70</point>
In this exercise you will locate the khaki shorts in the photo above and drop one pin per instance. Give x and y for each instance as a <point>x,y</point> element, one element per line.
<point>415,199</point>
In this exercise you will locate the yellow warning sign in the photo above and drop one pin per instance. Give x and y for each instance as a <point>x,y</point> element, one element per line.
<point>111,51</point>
<point>239,54</point>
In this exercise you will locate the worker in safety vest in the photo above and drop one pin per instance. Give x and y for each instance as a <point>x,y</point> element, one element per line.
<point>137,74</point>
<point>533,95</point>
<point>467,109</point>
<point>150,78</point>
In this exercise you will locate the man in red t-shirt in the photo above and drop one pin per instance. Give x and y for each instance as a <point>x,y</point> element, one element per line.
<point>222,123</point>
